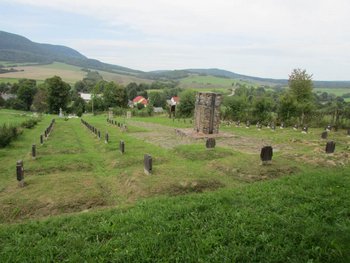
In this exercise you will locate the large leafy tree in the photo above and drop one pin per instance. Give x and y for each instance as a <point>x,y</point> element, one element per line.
<point>300,84</point>
<point>187,103</point>
<point>114,95</point>
<point>58,94</point>
<point>157,99</point>
<point>40,101</point>
<point>26,92</point>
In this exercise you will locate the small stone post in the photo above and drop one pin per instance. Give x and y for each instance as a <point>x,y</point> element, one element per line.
<point>106,138</point>
<point>20,173</point>
<point>147,164</point>
<point>122,147</point>
<point>41,139</point>
<point>34,151</point>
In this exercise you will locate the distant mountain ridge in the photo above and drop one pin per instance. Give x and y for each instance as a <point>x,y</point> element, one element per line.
<point>16,48</point>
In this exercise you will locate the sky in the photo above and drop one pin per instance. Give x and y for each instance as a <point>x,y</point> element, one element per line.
<point>263,38</point>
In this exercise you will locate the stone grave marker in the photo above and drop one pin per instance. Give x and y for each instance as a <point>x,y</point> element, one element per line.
<point>147,160</point>
<point>324,135</point>
<point>330,147</point>
<point>122,147</point>
<point>266,154</point>
<point>282,125</point>
<point>247,124</point>
<point>295,127</point>
<point>305,129</point>
<point>210,143</point>
<point>20,173</point>
<point>273,127</point>
<point>33,151</point>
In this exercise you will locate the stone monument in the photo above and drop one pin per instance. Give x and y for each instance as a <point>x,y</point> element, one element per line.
<point>61,113</point>
<point>207,112</point>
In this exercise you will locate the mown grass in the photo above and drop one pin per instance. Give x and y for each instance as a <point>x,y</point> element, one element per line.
<point>198,205</point>
<point>302,218</point>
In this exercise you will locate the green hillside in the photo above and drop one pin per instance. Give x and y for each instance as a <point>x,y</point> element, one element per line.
<point>15,48</point>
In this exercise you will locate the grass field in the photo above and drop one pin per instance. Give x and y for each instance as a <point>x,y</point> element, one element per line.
<point>68,73</point>
<point>84,201</point>
<point>210,82</point>
<point>336,91</point>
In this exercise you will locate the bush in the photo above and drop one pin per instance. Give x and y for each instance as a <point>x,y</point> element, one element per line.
<point>118,111</point>
<point>30,123</point>
<point>7,134</point>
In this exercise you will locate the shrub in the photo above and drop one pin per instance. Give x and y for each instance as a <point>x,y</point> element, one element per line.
<point>30,123</point>
<point>7,134</point>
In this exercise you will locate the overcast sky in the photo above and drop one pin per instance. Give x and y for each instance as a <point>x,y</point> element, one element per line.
<point>265,38</point>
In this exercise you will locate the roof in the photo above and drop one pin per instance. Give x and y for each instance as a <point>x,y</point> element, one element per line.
<point>85,96</point>
<point>175,99</point>
<point>140,99</point>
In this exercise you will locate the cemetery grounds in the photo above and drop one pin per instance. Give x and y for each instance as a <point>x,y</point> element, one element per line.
<point>84,200</point>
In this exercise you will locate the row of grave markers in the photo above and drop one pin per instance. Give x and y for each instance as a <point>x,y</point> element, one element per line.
<point>45,136</point>
<point>19,163</point>
<point>122,126</point>
<point>266,152</point>
<point>95,131</point>
<point>272,126</point>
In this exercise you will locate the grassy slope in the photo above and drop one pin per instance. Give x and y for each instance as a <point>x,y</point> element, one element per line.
<point>303,218</point>
<point>294,219</point>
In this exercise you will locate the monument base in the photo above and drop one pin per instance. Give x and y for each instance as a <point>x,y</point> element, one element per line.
<point>190,133</point>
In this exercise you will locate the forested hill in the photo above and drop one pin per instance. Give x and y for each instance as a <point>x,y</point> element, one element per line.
<point>16,48</point>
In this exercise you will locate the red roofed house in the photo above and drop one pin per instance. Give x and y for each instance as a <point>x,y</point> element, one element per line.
<point>140,99</point>
<point>175,100</point>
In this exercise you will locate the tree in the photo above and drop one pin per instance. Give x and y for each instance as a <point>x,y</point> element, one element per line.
<point>262,108</point>
<point>58,94</point>
<point>40,101</point>
<point>114,95</point>
<point>300,84</point>
<point>26,92</point>
<point>79,106</point>
<point>287,108</point>
<point>157,99</point>
<point>236,107</point>
<point>187,103</point>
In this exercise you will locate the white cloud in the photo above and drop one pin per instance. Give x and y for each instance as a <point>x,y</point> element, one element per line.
<point>267,38</point>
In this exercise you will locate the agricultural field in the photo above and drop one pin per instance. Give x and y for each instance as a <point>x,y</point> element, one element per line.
<point>210,82</point>
<point>85,201</point>
<point>68,73</point>
<point>335,91</point>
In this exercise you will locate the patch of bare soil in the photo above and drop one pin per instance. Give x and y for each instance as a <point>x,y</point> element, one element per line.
<point>169,137</point>
<point>160,135</point>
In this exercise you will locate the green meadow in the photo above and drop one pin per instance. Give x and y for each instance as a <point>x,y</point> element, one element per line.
<point>85,201</point>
